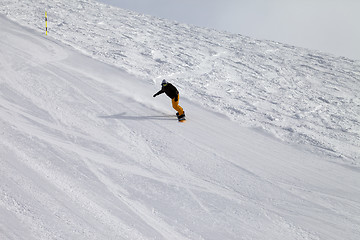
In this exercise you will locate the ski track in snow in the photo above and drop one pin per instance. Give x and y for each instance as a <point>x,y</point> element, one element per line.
<point>298,95</point>
<point>87,153</point>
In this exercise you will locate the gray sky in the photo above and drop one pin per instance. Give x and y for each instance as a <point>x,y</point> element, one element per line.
<point>331,26</point>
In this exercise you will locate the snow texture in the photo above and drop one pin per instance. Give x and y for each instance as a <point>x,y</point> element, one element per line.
<point>300,96</point>
<point>270,149</point>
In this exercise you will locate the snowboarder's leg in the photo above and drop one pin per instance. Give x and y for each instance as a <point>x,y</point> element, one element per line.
<point>176,106</point>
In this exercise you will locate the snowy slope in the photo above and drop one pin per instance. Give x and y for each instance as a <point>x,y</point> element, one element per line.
<point>87,153</point>
<point>298,95</point>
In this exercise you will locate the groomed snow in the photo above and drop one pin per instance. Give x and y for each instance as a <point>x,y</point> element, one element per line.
<point>87,153</point>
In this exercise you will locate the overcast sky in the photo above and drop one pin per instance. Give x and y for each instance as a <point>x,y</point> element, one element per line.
<point>331,26</point>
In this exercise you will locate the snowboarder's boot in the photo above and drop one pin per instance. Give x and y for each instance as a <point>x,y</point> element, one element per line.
<point>180,117</point>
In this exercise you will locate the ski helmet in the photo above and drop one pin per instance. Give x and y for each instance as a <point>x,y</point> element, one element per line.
<point>164,82</point>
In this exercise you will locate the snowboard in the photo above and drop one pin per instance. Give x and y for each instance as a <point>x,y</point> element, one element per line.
<point>182,120</point>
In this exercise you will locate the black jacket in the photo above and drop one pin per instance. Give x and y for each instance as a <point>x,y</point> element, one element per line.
<point>169,90</point>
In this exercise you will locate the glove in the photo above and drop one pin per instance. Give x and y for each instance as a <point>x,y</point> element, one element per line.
<point>176,99</point>
<point>154,95</point>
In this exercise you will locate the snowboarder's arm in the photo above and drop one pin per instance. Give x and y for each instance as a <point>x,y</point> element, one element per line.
<point>159,92</point>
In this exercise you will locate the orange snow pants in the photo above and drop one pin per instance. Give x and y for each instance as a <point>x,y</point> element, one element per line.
<point>176,106</point>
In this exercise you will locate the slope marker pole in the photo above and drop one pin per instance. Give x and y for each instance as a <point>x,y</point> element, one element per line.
<point>46,23</point>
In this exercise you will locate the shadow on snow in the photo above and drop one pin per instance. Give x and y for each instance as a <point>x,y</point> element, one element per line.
<point>139,118</point>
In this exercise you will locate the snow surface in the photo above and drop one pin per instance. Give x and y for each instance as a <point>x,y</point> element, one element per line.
<point>270,149</point>
<point>298,95</point>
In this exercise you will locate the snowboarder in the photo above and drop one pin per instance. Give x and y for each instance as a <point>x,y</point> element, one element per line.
<point>172,93</point>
